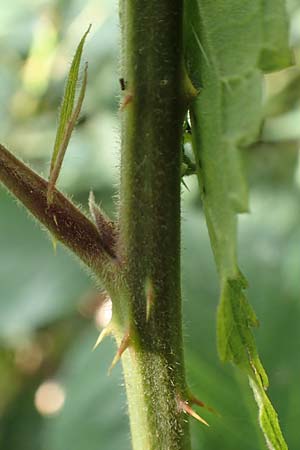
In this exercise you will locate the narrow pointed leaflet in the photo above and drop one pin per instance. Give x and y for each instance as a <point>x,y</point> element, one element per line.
<point>68,116</point>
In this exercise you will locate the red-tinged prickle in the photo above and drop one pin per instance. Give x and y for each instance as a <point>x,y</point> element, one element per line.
<point>123,346</point>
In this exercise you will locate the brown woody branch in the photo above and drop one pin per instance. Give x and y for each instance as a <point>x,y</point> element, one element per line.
<point>64,221</point>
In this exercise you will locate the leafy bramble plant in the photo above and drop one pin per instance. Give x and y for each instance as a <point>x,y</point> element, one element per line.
<point>192,69</point>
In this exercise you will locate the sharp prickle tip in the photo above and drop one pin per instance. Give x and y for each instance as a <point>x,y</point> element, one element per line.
<point>184,406</point>
<point>91,199</point>
<point>114,362</point>
<point>105,332</point>
<point>184,184</point>
<point>123,346</point>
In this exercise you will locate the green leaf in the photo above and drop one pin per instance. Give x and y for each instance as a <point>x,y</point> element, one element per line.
<point>227,43</point>
<point>68,115</point>
<point>235,320</point>
<point>268,418</point>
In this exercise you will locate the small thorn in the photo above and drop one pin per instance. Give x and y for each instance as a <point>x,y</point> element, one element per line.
<point>184,184</point>
<point>184,406</point>
<point>55,220</point>
<point>105,332</point>
<point>92,205</point>
<point>149,298</point>
<point>123,346</point>
<point>54,244</point>
<point>102,222</point>
<point>126,100</point>
<point>194,400</point>
<point>106,228</point>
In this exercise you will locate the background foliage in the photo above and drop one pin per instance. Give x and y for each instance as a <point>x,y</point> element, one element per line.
<point>48,304</point>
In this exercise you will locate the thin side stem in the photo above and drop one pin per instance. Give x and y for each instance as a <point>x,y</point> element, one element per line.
<point>64,221</point>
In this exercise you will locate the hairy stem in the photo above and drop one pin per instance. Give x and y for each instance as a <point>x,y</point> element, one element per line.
<point>152,111</point>
<point>64,221</point>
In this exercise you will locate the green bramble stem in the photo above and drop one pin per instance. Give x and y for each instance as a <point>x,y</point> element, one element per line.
<point>153,110</point>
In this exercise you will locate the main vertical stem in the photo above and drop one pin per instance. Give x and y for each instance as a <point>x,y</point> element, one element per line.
<point>153,110</point>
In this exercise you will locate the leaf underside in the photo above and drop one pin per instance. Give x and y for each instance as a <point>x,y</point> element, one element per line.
<point>228,46</point>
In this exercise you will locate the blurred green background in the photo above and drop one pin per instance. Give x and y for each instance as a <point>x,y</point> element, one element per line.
<point>54,391</point>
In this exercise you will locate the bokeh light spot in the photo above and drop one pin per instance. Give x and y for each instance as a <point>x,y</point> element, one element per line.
<point>49,398</point>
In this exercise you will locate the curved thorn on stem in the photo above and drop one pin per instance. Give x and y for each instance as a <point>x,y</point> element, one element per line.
<point>126,101</point>
<point>149,297</point>
<point>185,407</point>
<point>105,227</point>
<point>123,346</point>
<point>104,333</point>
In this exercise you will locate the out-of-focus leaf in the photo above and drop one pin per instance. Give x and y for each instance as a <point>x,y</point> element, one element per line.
<point>282,128</point>
<point>94,415</point>
<point>36,286</point>
<point>286,99</point>
<point>272,164</point>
